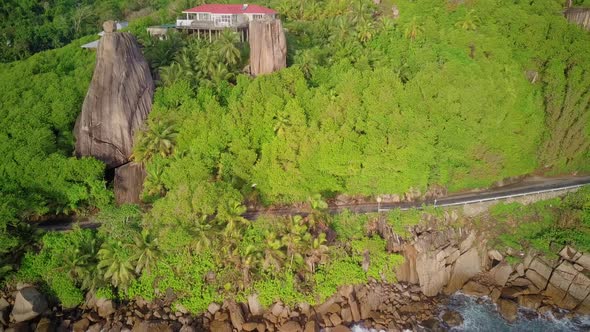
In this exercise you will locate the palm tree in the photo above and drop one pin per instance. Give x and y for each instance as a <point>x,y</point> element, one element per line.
<point>386,23</point>
<point>146,251</point>
<point>282,122</point>
<point>413,29</point>
<point>365,32</point>
<point>153,185</point>
<point>80,264</point>
<point>273,255</point>
<point>293,239</point>
<point>469,22</point>
<point>307,61</point>
<point>360,12</point>
<point>115,266</point>
<point>226,47</point>
<point>159,138</point>
<point>171,74</point>
<point>340,29</point>
<point>316,202</point>
<point>317,253</point>
<point>160,53</point>
<point>201,231</point>
<point>285,7</point>
<point>220,73</point>
<point>249,260</point>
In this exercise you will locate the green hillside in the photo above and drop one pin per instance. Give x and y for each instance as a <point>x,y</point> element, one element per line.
<point>450,93</point>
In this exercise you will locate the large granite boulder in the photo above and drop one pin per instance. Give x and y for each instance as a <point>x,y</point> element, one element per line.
<point>128,183</point>
<point>28,304</point>
<point>268,47</point>
<point>118,100</point>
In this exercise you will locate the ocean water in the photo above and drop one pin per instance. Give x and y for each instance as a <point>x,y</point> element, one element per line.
<point>480,315</point>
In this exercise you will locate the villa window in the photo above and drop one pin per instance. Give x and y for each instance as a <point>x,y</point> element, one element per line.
<point>204,17</point>
<point>225,20</point>
<point>257,17</point>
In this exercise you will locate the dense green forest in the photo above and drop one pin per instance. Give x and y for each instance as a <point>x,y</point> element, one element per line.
<point>30,26</point>
<point>449,93</point>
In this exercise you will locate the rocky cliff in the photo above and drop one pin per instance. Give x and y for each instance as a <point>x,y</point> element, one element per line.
<point>268,47</point>
<point>118,100</point>
<point>580,16</point>
<point>452,260</point>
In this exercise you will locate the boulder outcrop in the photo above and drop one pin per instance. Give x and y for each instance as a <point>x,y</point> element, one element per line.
<point>578,15</point>
<point>456,260</point>
<point>128,183</point>
<point>118,100</point>
<point>268,47</point>
<point>442,260</point>
<point>28,304</point>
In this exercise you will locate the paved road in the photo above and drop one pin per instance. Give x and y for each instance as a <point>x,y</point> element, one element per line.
<point>526,187</point>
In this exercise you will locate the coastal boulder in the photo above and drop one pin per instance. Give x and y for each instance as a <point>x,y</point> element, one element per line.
<point>117,102</point>
<point>466,267</point>
<point>28,304</point>
<point>508,309</point>
<point>128,183</point>
<point>268,47</point>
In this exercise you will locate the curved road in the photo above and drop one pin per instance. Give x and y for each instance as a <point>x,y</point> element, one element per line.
<point>528,186</point>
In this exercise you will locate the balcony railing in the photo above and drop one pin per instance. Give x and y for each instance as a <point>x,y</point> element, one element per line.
<point>216,23</point>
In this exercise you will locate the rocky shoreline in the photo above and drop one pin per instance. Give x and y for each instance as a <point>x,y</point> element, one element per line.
<point>381,306</point>
<point>438,263</point>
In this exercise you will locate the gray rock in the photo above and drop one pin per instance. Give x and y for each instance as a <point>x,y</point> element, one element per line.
<point>584,261</point>
<point>476,289</point>
<point>530,301</point>
<point>128,183</point>
<point>220,326</point>
<point>311,326</point>
<point>95,328</point>
<point>508,309</point>
<point>452,318</point>
<point>44,325</point>
<point>105,307</point>
<point>109,26</point>
<point>290,326</point>
<point>235,315</point>
<point>467,243</point>
<point>466,267</point>
<point>81,325</point>
<point>19,327</point>
<point>254,305</point>
<point>268,47</point>
<point>500,273</point>
<point>4,317</point>
<point>495,255</point>
<point>213,308</point>
<point>3,304</point>
<point>117,102</point>
<point>28,304</point>
<point>151,326</point>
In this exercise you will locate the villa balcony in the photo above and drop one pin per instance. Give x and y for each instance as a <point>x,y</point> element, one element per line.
<point>233,22</point>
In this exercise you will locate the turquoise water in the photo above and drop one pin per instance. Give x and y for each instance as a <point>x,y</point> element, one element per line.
<point>480,315</point>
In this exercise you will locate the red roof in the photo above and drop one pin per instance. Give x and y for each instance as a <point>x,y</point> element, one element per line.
<point>230,9</point>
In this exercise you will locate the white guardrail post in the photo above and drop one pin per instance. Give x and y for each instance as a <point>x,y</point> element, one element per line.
<point>495,198</point>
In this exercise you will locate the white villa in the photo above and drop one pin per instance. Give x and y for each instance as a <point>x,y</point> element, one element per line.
<point>220,16</point>
<point>209,19</point>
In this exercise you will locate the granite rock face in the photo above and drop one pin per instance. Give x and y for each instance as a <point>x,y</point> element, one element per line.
<point>118,100</point>
<point>128,183</point>
<point>28,304</point>
<point>268,47</point>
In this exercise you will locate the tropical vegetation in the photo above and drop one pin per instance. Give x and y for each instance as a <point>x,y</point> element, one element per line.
<point>458,94</point>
